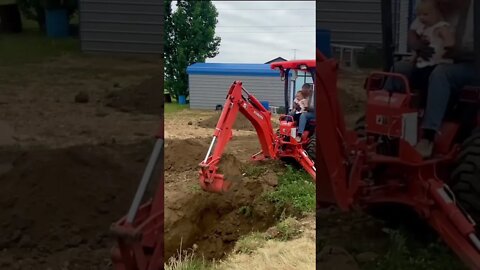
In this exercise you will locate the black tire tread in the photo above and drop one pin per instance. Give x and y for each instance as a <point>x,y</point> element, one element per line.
<point>312,148</point>
<point>465,183</point>
<point>360,127</point>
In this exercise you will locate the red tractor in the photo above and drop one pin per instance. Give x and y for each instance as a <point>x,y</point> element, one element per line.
<point>140,233</point>
<point>378,164</point>
<point>274,145</point>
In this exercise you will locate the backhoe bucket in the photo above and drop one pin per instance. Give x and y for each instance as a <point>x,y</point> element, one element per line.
<point>211,181</point>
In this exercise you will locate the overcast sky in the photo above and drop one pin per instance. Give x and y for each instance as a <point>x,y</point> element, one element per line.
<point>258,31</point>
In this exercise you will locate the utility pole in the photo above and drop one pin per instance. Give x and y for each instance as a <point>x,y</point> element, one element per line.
<point>294,54</point>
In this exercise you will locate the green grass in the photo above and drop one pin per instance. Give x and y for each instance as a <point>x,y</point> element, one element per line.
<point>250,243</point>
<point>175,107</point>
<point>245,210</point>
<point>401,255</point>
<point>186,260</point>
<point>288,229</point>
<point>192,264</point>
<point>32,46</point>
<point>253,170</point>
<point>296,189</point>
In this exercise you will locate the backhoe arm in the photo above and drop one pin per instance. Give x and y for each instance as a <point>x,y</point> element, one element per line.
<point>339,176</point>
<point>139,234</point>
<point>332,161</point>
<point>253,110</point>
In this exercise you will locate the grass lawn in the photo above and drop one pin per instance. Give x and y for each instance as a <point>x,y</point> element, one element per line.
<point>174,107</point>
<point>32,46</point>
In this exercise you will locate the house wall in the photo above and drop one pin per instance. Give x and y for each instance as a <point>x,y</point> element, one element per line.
<point>122,26</point>
<point>359,22</point>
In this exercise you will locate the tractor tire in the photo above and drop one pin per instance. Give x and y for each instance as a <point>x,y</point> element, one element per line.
<point>312,148</point>
<point>360,127</point>
<point>466,177</point>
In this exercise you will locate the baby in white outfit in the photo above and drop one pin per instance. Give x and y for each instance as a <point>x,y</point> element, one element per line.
<point>432,27</point>
<point>300,103</point>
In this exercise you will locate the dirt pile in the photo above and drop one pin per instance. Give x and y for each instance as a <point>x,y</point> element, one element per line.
<point>147,97</point>
<point>184,155</point>
<point>212,222</point>
<point>231,168</point>
<point>57,205</point>
<point>242,123</point>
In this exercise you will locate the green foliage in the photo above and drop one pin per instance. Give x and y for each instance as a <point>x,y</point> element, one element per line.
<point>190,38</point>
<point>249,243</point>
<point>245,210</point>
<point>35,9</point>
<point>400,255</point>
<point>288,229</point>
<point>186,260</point>
<point>191,264</point>
<point>253,170</point>
<point>296,189</point>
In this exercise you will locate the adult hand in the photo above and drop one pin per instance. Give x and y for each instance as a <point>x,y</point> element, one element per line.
<point>423,49</point>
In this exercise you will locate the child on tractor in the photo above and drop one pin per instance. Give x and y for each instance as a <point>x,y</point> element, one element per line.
<point>300,104</point>
<point>434,30</point>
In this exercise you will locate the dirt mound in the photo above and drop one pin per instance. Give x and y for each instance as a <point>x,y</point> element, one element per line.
<point>231,168</point>
<point>146,97</point>
<point>215,221</point>
<point>57,205</point>
<point>242,123</point>
<point>184,155</point>
<point>211,221</point>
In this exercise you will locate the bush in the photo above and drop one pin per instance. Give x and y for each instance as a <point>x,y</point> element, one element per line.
<point>35,9</point>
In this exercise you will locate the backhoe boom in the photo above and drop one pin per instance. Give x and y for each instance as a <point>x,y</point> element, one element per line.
<point>252,109</point>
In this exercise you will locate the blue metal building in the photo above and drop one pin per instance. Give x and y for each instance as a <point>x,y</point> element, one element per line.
<point>209,83</point>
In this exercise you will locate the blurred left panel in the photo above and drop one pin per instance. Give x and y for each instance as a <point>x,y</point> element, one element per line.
<point>81,134</point>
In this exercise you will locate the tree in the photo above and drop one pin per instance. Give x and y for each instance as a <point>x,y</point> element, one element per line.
<point>35,9</point>
<point>189,38</point>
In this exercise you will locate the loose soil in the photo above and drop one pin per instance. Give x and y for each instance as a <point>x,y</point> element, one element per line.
<point>57,205</point>
<point>211,222</point>
<point>147,97</point>
<point>42,111</point>
<point>68,166</point>
<point>241,123</point>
